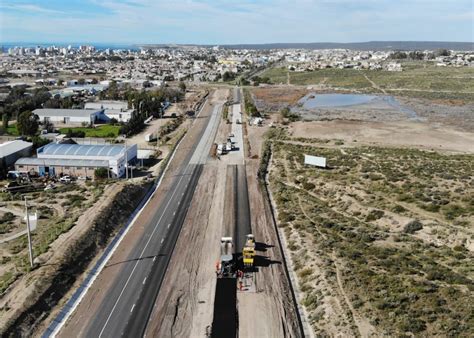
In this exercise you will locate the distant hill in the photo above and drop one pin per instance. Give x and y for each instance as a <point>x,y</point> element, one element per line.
<point>371,45</point>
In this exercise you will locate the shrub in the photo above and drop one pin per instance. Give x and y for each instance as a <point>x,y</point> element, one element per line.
<point>101,173</point>
<point>398,208</point>
<point>308,186</point>
<point>374,215</point>
<point>412,227</point>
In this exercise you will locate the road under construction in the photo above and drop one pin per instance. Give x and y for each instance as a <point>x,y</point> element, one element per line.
<point>230,266</point>
<point>163,279</point>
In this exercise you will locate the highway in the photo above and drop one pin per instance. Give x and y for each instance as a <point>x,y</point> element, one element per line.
<point>129,302</point>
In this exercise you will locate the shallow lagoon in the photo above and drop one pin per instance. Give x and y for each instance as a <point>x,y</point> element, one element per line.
<point>312,101</point>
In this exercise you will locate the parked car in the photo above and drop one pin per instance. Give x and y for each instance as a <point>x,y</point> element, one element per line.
<point>65,179</point>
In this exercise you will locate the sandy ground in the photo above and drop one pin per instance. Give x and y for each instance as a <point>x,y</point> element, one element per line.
<point>270,312</point>
<point>405,134</point>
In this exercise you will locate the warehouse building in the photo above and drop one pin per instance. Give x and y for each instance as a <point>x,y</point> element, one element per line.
<point>112,109</point>
<point>79,160</point>
<point>11,151</point>
<point>71,116</point>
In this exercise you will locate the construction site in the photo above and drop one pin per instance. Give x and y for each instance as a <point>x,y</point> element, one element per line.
<point>217,269</point>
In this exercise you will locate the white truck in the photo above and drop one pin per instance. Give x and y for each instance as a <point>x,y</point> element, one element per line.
<point>150,137</point>
<point>220,149</point>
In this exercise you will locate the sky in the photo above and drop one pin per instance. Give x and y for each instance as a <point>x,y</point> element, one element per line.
<point>233,22</point>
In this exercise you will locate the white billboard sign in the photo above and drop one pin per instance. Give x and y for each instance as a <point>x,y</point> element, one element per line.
<point>315,160</point>
<point>33,221</point>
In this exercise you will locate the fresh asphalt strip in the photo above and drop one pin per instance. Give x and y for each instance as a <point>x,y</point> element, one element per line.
<point>225,322</point>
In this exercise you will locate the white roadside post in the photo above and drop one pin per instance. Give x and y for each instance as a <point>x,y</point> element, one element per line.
<point>28,230</point>
<point>126,160</point>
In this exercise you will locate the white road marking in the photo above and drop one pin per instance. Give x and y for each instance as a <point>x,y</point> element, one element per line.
<point>145,279</point>
<point>154,258</point>
<point>141,255</point>
<point>132,308</point>
<point>162,240</point>
<point>169,225</point>
<point>174,213</point>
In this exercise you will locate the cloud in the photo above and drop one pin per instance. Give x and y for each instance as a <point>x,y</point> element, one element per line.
<point>243,21</point>
<point>30,8</point>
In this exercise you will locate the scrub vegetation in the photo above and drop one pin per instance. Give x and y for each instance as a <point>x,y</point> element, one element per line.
<point>381,240</point>
<point>58,211</point>
<point>418,80</point>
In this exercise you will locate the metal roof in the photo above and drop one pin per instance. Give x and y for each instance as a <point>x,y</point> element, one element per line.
<point>46,112</point>
<point>71,150</point>
<point>61,162</point>
<point>11,147</point>
<point>106,104</point>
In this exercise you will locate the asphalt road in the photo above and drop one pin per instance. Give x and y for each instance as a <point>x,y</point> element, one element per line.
<point>241,209</point>
<point>129,302</point>
<point>225,321</point>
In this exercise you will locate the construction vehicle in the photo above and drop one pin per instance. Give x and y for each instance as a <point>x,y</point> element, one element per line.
<point>248,251</point>
<point>225,266</point>
<point>221,149</point>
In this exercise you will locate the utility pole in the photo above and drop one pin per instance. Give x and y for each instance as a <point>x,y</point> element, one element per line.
<point>30,248</point>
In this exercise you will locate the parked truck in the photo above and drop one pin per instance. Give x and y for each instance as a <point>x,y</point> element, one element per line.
<point>150,137</point>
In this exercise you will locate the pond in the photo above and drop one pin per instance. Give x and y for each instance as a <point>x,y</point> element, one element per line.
<point>312,101</point>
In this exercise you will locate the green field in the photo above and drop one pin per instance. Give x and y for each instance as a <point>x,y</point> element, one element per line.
<point>418,79</point>
<point>12,130</point>
<point>106,130</point>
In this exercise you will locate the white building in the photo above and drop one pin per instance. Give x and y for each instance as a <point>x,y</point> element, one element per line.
<point>11,151</point>
<point>79,159</point>
<point>112,109</point>
<point>71,116</point>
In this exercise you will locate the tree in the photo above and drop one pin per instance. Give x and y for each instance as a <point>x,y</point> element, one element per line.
<point>5,121</point>
<point>416,55</point>
<point>101,173</point>
<point>228,76</point>
<point>398,55</point>
<point>443,52</point>
<point>48,126</point>
<point>27,123</point>
<point>182,86</point>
